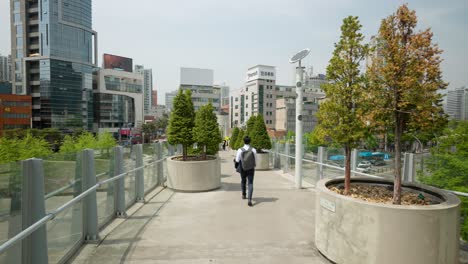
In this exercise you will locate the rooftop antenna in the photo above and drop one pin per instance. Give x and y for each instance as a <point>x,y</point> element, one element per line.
<point>298,57</point>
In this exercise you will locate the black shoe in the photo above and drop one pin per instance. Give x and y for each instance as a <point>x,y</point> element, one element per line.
<point>244,197</point>
<point>249,203</point>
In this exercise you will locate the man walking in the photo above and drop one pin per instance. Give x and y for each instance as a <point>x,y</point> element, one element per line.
<point>247,157</point>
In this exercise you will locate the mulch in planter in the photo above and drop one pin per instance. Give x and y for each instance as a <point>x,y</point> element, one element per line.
<point>384,194</point>
<point>194,158</point>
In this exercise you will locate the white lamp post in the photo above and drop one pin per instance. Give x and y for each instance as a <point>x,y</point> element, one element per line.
<point>299,81</point>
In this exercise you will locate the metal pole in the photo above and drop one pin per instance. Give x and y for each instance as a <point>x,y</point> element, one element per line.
<point>159,156</point>
<point>408,167</point>
<point>299,101</point>
<point>140,180</point>
<point>34,246</point>
<point>90,202</point>
<point>286,152</point>
<point>120,183</point>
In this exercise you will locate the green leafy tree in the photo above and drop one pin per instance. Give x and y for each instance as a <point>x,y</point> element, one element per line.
<point>161,123</point>
<point>447,167</point>
<point>340,117</point>
<point>259,135</point>
<point>251,125</point>
<point>182,121</point>
<point>235,135</point>
<point>240,139</point>
<point>290,136</point>
<point>149,129</point>
<point>33,147</point>
<point>206,131</point>
<point>105,142</point>
<point>405,77</point>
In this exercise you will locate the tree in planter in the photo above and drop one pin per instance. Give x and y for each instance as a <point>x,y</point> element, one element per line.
<point>251,125</point>
<point>206,131</point>
<point>259,135</point>
<point>232,141</point>
<point>181,122</point>
<point>340,117</point>
<point>240,139</point>
<point>405,76</point>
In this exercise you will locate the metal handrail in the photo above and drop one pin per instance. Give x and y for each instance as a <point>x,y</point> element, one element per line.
<point>51,215</point>
<point>357,172</point>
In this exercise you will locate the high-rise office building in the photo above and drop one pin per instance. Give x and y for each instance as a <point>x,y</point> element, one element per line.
<point>5,68</point>
<point>200,82</point>
<point>147,86</point>
<point>53,59</point>
<point>457,103</point>
<point>170,100</point>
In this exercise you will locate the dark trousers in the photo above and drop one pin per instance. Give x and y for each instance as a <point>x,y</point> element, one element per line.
<point>247,175</point>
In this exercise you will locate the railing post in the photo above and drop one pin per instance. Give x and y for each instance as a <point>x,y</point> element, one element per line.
<point>408,167</point>
<point>320,160</point>
<point>120,183</point>
<point>159,155</point>
<point>354,158</point>
<point>91,231</point>
<point>34,246</point>
<point>286,152</point>
<point>140,179</point>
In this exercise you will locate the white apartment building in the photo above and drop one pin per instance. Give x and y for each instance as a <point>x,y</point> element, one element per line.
<point>5,68</point>
<point>260,94</point>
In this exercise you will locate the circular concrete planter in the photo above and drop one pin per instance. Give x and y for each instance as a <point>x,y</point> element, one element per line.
<point>193,176</point>
<point>263,161</point>
<point>349,230</point>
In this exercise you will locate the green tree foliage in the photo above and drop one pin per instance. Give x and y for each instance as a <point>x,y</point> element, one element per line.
<point>448,166</point>
<point>206,131</point>
<point>105,142</point>
<point>251,125</point>
<point>182,121</point>
<point>259,135</point>
<point>83,141</point>
<point>340,117</point>
<point>149,129</point>
<point>290,136</point>
<point>233,139</point>
<point>161,123</point>
<point>240,139</point>
<point>13,149</point>
<point>405,77</point>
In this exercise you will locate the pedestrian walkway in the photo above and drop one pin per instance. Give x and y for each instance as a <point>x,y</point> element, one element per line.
<point>214,227</point>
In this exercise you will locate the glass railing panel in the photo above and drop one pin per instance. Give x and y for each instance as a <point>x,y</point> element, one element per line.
<point>150,172</point>
<point>129,164</point>
<point>63,182</point>
<point>105,194</point>
<point>10,209</point>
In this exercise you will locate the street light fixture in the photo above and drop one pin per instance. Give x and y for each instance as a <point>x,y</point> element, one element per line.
<point>299,81</point>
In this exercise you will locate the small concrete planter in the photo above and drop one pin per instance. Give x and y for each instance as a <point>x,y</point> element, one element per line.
<point>349,230</point>
<point>263,161</point>
<point>194,176</point>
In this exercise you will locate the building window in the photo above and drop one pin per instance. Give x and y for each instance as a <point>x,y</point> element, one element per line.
<point>236,114</point>
<point>246,97</point>
<point>247,89</point>
<point>236,107</point>
<point>246,105</point>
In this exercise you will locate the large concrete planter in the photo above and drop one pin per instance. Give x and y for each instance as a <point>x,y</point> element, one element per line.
<point>263,161</point>
<point>194,176</point>
<point>349,230</point>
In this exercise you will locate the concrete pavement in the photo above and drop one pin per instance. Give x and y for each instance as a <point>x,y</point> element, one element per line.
<point>215,227</point>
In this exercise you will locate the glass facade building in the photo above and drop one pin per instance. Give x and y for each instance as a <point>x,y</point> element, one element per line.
<point>53,53</point>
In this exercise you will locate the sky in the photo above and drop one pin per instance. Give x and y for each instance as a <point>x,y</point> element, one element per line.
<point>231,36</point>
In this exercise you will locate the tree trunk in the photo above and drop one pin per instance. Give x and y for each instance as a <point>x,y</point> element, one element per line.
<point>184,152</point>
<point>397,181</point>
<point>347,169</point>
